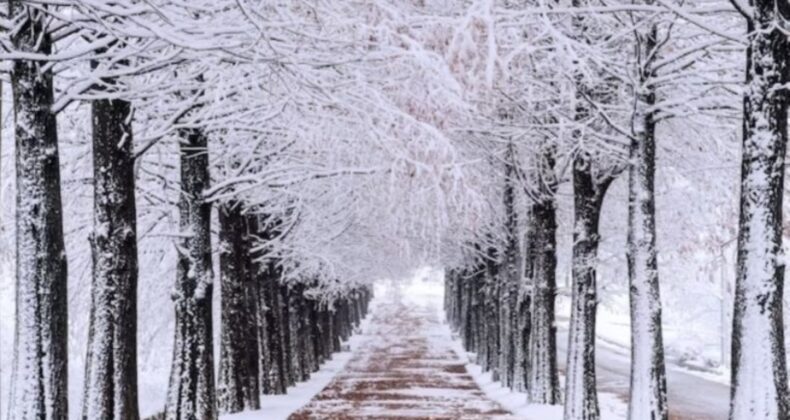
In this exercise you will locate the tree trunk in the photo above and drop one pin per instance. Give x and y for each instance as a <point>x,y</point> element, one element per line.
<point>581,397</point>
<point>287,334</point>
<point>237,387</point>
<point>511,277</point>
<point>542,374</point>
<point>111,364</point>
<point>272,363</point>
<point>38,388</point>
<point>524,306</point>
<point>648,379</point>
<point>317,331</point>
<point>493,313</point>
<point>759,377</point>
<point>191,393</point>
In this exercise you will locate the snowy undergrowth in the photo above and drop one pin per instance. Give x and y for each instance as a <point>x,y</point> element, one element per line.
<point>612,407</point>
<point>279,407</point>
<point>694,351</point>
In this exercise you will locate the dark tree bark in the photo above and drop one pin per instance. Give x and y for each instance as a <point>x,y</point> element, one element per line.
<point>758,349</point>
<point>511,278</point>
<point>467,338</point>
<point>589,189</point>
<point>285,330</point>
<point>111,364</point>
<point>191,392</point>
<point>475,309</point>
<point>327,331</point>
<point>237,387</point>
<point>38,388</point>
<point>648,378</point>
<point>300,341</point>
<point>272,353</point>
<point>317,331</point>
<point>541,265</point>
<point>493,313</point>
<point>449,296</point>
<point>524,325</point>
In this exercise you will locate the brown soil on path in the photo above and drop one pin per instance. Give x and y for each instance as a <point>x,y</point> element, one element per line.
<point>405,369</point>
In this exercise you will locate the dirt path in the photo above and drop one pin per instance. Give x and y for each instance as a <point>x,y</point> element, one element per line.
<point>406,369</point>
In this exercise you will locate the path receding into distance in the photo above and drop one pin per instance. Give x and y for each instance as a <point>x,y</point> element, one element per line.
<point>407,368</point>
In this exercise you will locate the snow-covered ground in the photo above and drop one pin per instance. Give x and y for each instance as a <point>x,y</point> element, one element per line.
<point>279,407</point>
<point>692,394</point>
<point>701,394</point>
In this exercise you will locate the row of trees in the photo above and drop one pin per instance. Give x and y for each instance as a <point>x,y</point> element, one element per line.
<point>368,139</point>
<point>132,63</point>
<point>633,69</point>
<point>272,333</point>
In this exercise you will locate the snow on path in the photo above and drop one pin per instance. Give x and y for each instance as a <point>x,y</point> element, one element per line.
<point>406,369</point>
<point>406,365</point>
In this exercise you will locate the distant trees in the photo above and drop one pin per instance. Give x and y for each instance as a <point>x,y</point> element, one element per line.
<point>586,124</point>
<point>117,58</point>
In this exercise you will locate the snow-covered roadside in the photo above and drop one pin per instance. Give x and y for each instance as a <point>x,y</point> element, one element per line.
<point>685,350</point>
<point>675,359</point>
<point>612,407</point>
<point>279,407</point>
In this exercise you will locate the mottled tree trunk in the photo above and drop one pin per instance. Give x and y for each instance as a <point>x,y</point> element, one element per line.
<point>524,325</point>
<point>581,397</point>
<point>511,277</point>
<point>237,384</point>
<point>111,364</point>
<point>476,313</point>
<point>286,328</point>
<point>648,378</point>
<point>467,327</point>
<point>759,376</point>
<point>542,374</point>
<point>191,392</point>
<point>493,313</point>
<point>272,354</point>
<point>38,388</point>
<point>302,345</point>
<point>317,332</point>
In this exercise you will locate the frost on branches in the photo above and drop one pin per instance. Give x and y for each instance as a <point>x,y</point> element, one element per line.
<point>292,154</point>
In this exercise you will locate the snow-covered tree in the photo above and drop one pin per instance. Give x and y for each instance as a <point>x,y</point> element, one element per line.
<point>758,348</point>
<point>40,367</point>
